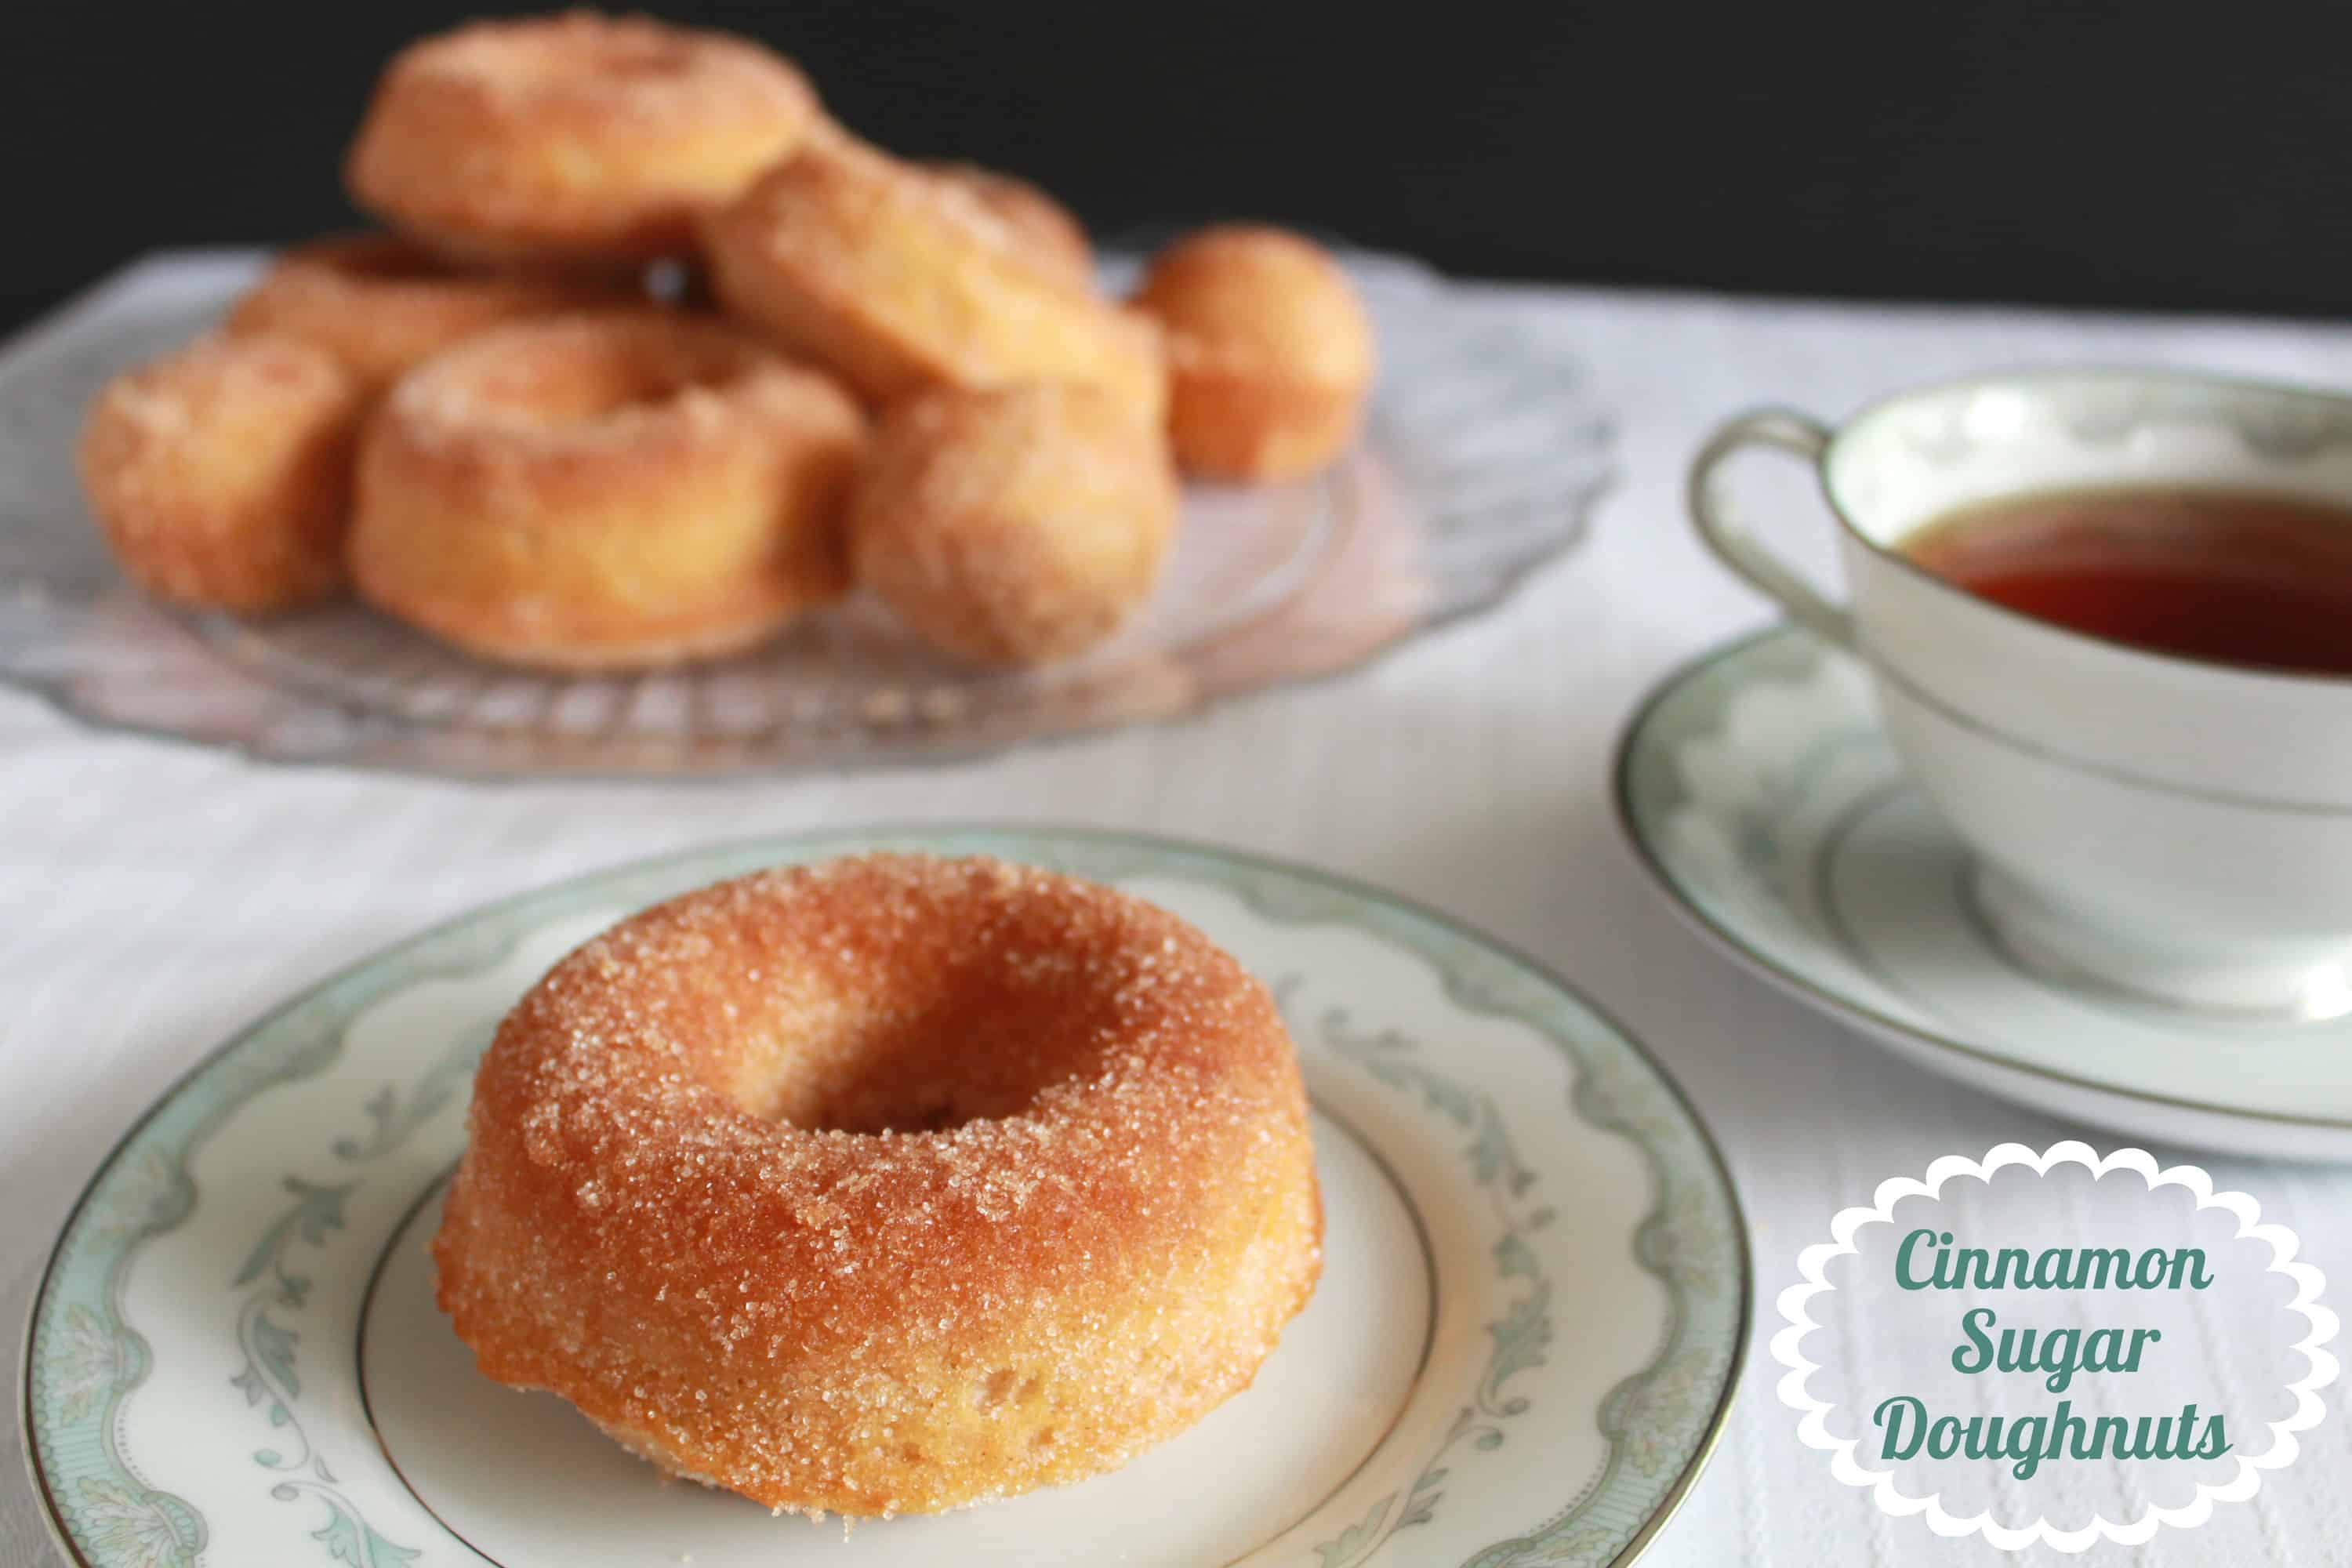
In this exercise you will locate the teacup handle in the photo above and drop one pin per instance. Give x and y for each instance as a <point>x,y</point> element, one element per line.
<point>1731,539</point>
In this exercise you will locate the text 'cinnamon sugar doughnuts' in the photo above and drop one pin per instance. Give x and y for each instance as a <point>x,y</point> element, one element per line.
<point>603,491</point>
<point>886,1187</point>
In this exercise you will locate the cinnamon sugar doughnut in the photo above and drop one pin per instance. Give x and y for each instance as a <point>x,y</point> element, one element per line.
<point>887,1185</point>
<point>1033,223</point>
<point>611,491</point>
<point>382,304</point>
<point>852,257</point>
<point>1269,352</point>
<point>1016,526</point>
<point>571,138</point>
<point>222,474</point>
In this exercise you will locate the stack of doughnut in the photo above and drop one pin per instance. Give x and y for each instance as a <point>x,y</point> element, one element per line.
<point>487,423</point>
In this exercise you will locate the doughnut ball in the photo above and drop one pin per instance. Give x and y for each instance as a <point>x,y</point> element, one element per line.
<point>1017,526</point>
<point>1269,350</point>
<point>612,491</point>
<point>573,139</point>
<point>221,475</point>
<point>887,1185</point>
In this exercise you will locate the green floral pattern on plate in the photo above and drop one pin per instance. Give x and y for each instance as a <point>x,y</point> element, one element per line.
<point>1519,1335</point>
<point>270,1380</point>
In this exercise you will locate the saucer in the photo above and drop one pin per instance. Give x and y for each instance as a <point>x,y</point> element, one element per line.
<point>1533,1303</point>
<point>1759,789</point>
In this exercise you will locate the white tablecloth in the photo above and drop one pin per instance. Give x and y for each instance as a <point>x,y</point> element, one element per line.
<point>154,897</point>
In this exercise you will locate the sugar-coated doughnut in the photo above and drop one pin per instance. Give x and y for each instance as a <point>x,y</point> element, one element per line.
<point>1014,526</point>
<point>605,491</point>
<point>572,138</point>
<point>1029,220</point>
<point>1269,351</point>
<point>887,1185</point>
<point>850,257</point>
<point>221,475</point>
<point>382,304</point>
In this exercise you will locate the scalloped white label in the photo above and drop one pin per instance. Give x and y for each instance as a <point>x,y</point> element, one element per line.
<point>2055,1348</point>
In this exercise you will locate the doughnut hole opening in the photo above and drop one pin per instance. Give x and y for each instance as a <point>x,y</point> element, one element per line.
<point>977,1038</point>
<point>607,369</point>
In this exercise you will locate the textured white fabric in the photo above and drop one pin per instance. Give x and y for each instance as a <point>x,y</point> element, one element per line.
<point>154,897</point>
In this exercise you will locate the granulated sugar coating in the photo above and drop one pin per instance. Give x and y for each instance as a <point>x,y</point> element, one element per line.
<point>888,1185</point>
<point>576,139</point>
<point>1014,526</point>
<point>615,489</point>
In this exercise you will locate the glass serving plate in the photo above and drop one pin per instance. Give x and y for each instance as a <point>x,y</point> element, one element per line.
<point>1482,457</point>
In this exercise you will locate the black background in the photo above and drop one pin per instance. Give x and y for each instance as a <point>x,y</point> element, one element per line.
<point>2158,156</point>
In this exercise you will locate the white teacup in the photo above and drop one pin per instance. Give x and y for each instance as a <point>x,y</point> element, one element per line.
<point>2178,829</point>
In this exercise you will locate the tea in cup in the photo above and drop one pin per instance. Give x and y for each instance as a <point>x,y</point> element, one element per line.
<point>2107,616</point>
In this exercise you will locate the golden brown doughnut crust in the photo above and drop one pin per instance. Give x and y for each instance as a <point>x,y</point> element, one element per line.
<point>887,1185</point>
<point>222,474</point>
<point>1269,351</point>
<point>382,304</point>
<point>1016,526</point>
<point>1026,218</point>
<point>605,491</point>
<point>572,138</point>
<point>852,257</point>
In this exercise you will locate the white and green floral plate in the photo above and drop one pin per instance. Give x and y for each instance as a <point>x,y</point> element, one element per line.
<point>1759,789</point>
<point>1525,1344</point>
